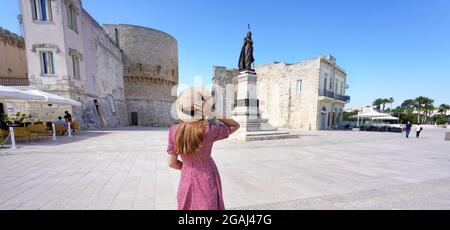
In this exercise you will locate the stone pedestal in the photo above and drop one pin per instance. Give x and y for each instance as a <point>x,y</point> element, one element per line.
<point>447,136</point>
<point>247,113</point>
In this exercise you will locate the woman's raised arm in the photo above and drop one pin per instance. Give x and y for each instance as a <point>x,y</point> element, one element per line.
<point>232,124</point>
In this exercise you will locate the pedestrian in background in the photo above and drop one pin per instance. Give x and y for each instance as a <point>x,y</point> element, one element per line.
<point>419,130</point>
<point>408,128</point>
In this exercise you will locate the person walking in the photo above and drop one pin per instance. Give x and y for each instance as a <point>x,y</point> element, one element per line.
<point>408,128</point>
<point>191,140</point>
<point>419,130</point>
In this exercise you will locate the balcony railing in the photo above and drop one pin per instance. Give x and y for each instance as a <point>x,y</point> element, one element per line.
<point>331,94</point>
<point>14,81</point>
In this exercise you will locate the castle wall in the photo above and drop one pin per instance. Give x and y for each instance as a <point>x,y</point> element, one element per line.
<point>150,72</point>
<point>12,55</point>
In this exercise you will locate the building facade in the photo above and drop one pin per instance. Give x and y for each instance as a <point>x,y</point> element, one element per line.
<point>70,54</point>
<point>306,95</point>
<point>13,62</point>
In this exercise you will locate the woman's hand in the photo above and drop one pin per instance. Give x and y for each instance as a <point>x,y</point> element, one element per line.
<point>232,125</point>
<point>204,106</point>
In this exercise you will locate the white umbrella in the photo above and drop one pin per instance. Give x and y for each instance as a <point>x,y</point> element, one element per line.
<point>50,98</point>
<point>9,94</point>
<point>370,114</point>
<point>388,118</point>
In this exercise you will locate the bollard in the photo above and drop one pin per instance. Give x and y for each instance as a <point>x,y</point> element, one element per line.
<point>13,138</point>
<point>54,132</point>
<point>69,129</point>
<point>447,136</point>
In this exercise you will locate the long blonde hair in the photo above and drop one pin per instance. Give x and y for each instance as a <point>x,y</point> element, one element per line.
<point>189,137</point>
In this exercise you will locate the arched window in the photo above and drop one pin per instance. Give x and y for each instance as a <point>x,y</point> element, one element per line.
<point>72,13</point>
<point>110,100</point>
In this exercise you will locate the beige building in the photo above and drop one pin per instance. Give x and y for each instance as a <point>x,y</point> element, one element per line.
<point>122,74</point>
<point>13,62</point>
<point>306,95</point>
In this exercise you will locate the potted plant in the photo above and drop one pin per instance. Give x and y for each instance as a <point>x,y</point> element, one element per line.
<point>14,120</point>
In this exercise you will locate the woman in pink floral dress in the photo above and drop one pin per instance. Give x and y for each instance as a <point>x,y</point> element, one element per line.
<point>192,140</point>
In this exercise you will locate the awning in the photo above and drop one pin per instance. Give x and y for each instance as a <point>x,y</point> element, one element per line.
<point>370,114</point>
<point>12,95</point>
<point>50,98</point>
<point>388,118</point>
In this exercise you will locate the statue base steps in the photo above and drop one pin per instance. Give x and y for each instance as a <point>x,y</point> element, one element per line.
<point>262,136</point>
<point>258,130</point>
<point>248,114</point>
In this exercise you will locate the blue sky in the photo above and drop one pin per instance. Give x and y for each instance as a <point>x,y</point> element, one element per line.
<point>389,48</point>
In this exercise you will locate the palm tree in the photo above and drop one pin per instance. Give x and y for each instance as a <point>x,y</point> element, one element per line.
<point>391,101</point>
<point>385,101</point>
<point>428,110</point>
<point>377,103</point>
<point>443,109</point>
<point>422,102</point>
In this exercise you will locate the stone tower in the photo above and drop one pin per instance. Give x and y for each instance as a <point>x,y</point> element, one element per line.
<point>150,73</point>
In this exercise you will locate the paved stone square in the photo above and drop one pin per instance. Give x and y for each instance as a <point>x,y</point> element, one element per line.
<point>127,169</point>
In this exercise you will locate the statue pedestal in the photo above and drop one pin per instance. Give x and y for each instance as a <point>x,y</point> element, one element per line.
<point>247,113</point>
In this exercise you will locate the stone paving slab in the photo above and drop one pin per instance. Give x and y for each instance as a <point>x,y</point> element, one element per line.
<point>127,169</point>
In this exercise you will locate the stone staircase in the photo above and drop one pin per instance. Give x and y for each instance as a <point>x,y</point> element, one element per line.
<point>259,130</point>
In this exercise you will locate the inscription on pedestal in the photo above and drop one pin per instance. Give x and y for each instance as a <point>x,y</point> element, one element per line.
<point>247,103</point>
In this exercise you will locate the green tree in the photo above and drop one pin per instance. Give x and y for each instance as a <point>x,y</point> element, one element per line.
<point>428,111</point>
<point>377,103</point>
<point>405,111</point>
<point>422,105</point>
<point>443,109</point>
<point>410,103</point>
<point>391,101</point>
<point>384,102</point>
<point>347,115</point>
<point>443,118</point>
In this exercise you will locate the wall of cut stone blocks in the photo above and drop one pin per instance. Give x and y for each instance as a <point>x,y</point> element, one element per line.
<point>152,113</point>
<point>12,54</point>
<point>279,100</point>
<point>150,72</point>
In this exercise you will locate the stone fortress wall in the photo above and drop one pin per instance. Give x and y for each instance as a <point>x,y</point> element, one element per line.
<point>102,81</point>
<point>12,54</point>
<point>150,73</point>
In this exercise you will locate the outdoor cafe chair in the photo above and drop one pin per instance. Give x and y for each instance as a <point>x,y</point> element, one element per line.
<point>75,126</point>
<point>40,130</point>
<point>22,133</point>
<point>60,129</point>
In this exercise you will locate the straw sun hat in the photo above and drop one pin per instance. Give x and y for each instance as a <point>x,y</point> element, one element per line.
<point>194,104</point>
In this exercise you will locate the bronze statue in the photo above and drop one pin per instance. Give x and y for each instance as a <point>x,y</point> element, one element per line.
<point>246,59</point>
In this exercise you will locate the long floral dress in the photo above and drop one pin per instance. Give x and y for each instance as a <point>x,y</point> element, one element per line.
<point>200,186</point>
